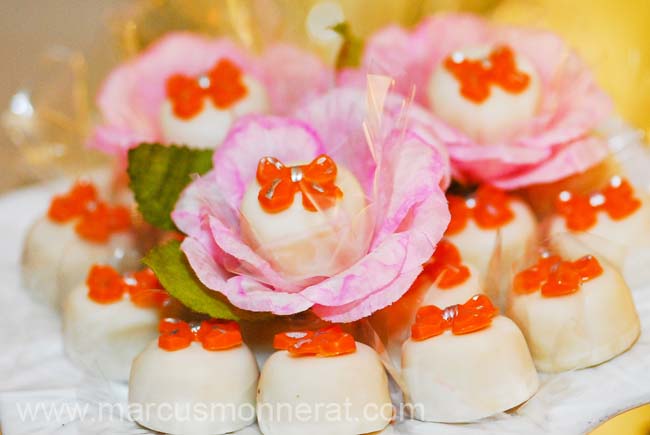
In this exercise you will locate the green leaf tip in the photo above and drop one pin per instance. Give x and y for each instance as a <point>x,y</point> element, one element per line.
<point>351,48</point>
<point>177,277</point>
<point>158,174</point>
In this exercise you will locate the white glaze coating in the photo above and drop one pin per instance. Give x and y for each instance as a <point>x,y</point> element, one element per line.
<point>492,120</point>
<point>55,259</point>
<point>463,378</point>
<point>209,128</point>
<point>578,330</point>
<point>104,338</point>
<point>517,239</point>
<point>349,383</point>
<point>195,380</point>
<point>301,243</point>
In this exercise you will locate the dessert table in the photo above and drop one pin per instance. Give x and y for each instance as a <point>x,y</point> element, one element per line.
<point>42,392</point>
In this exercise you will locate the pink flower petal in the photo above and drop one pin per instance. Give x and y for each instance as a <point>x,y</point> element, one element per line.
<point>254,137</point>
<point>243,292</point>
<point>292,77</point>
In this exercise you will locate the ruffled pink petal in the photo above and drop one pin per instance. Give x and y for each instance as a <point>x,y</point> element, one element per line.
<point>292,77</point>
<point>131,97</point>
<point>254,137</point>
<point>374,302</point>
<point>573,158</point>
<point>243,292</point>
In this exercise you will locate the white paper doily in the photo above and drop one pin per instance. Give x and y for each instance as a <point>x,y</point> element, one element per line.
<point>35,372</point>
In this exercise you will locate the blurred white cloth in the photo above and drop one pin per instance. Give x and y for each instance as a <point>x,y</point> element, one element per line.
<point>37,381</point>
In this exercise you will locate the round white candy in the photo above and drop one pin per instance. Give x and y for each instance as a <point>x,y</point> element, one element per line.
<point>463,378</point>
<point>508,245</point>
<point>624,242</point>
<point>578,330</point>
<point>55,259</point>
<point>193,390</point>
<point>104,338</point>
<point>209,128</point>
<point>343,395</point>
<point>302,243</point>
<point>492,120</point>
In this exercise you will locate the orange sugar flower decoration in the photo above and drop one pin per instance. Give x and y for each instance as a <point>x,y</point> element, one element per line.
<point>477,76</point>
<point>280,183</point>
<point>326,342</point>
<point>474,315</point>
<point>445,268</point>
<point>97,220</point>
<point>556,277</point>
<point>213,334</point>
<point>581,211</point>
<point>489,207</point>
<point>106,286</point>
<point>223,84</point>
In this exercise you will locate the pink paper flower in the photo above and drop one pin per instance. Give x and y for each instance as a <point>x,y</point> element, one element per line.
<point>131,97</point>
<point>555,143</point>
<point>401,173</point>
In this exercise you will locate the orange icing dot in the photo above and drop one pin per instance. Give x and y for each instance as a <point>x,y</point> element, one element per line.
<point>280,183</point>
<point>97,221</point>
<point>174,335</point>
<point>326,342</point>
<point>474,315</point>
<point>445,267</point>
<point>105,284</point>
<point>581,211</point>
<point>224,87</point>
<point>476,76</point>
<point>556,277</point>
<point>219,334</point>
<point>146,291</point>
<point>490,209</point>
<point>213,334</point>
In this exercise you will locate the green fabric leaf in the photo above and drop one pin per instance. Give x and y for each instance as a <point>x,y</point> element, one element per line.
<point>351,48</point>
<point>158,174</point>
<point>177,277</point>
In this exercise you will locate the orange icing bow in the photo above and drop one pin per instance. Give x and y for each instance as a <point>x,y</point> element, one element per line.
<point>326,342</point>
<point>280,183</point>
<point>556,277</point>
<point>472,316</point>
<point>212,334</point>
<point>222,84</point>
<point>445,268</point>
<point>489,207</point>
<point>106,286</point>
<point>581,211</point>
<point>97,220</point>
<point>476,76</point>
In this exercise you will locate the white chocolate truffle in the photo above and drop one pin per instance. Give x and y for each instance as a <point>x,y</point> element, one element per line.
<point>343,395</point>
<point>303,243</point>
<point>208,129</point>
<point>624,242</point>
<point>508,245</point>
<point>213,392</point>
<point>104,338</point>
<point>55,259</point>
<point>463,378</point>
<point>581,329</point>
<point>501,115</point>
